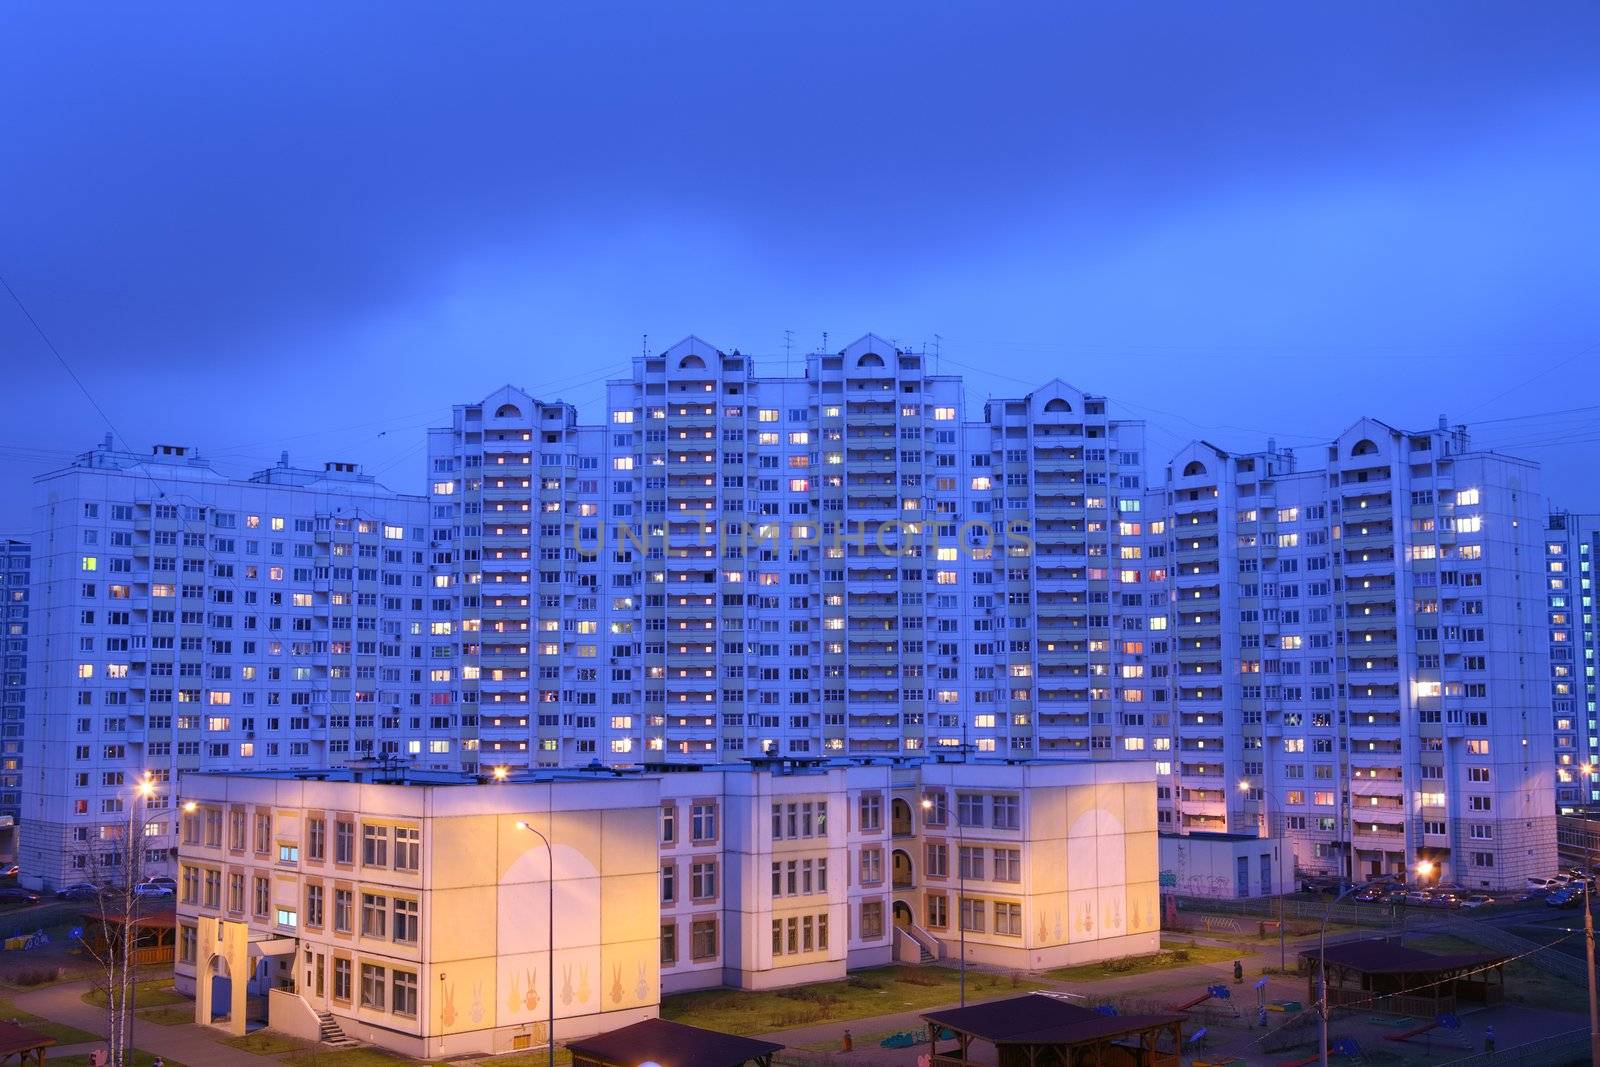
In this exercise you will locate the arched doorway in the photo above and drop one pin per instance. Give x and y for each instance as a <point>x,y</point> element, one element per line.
<point>900,818</point>
<point>900,869</point>
<point>903,916</point>
<point>221,989</point>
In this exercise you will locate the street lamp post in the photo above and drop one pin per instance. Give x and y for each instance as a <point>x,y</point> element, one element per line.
<point>961,894</point>
<point>501,774</point>
<point>1266,816</point>
<point>1588,955</point>
<point>1424,868</point>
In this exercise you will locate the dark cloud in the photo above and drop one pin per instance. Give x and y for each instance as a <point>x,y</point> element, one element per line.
<point>248,225</point>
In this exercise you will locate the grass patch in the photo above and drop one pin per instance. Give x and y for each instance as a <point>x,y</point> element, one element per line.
<point>1172,955</point>
<point>526,1059</point>
<point>139,1059</point>
<point>64,1034</point>
<point>168,1015</point>
<point>878,991</point>
<point>267,1043</point>
<point>1526,982</point>
<point>317,1056</point>
<point>147,993</point>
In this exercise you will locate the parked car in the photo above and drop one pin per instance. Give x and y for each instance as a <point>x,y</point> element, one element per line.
<point>153,889</point>
<point>12,894</point>
<point>11,871</point>
<point>170,883</point>
<point>1441,899</point>
<point>1543,885</point>
<point>1477,900</point>
<point>1371,894</point>
<point>1414,898</point>
<point>1564,898</point>
<point>78,891</point>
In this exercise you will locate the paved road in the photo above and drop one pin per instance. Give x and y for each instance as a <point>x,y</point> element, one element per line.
<point>192,1045</point>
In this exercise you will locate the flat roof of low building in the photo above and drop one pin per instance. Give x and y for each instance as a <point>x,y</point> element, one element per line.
<point>671,1044</point>
<point>1041,1019</point>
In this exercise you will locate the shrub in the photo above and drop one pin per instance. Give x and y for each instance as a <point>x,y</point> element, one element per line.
<point>32,976</point>
<point>857,981</point>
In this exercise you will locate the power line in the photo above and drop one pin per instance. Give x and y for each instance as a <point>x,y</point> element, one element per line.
<point>51,345</point>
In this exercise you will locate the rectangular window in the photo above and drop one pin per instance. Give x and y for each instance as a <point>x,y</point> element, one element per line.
<point>342,902</point>
<point>314,904</point>
<point>374,846</point>
<point>1008,918</point>
<point>405,924</point>
<point>969,809</point>
<point>407,848</point>
<point>372,986</point>
<point>703,939</point>
<point>403,993</point>
<point>341,979</point>
<point>374,915</point>
<point>344,841</point>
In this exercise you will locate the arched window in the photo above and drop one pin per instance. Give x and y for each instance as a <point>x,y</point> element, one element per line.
<point>1364,448</point>
<point>1057,404</point>
<point>691,363</point>
<point>871,359</point>
<point>508,411</point>
<point>1193,467</point>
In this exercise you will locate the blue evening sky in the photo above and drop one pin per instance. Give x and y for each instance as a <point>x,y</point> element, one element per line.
<point>251,227</point>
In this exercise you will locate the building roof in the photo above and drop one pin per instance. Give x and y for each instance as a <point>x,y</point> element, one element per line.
<point>1040,1019</point>
<point>15,1039</point>
<point>671,1045</point>
<point>1377,956</point>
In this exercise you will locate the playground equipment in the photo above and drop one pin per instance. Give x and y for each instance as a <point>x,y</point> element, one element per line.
<point>37,939</point>
<point>1213,992</point>
<point>1108,1010</point>
<point>1448,1021</point>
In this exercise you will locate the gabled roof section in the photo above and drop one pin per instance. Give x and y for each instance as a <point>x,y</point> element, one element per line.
<point>869,342</point>
<point>692,346</point>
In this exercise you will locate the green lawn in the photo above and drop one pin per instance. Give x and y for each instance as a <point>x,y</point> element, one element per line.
<point>64,1035</point>
<point>267,1043</point>
<point>318,1056</point>
<point>1173,955</point>
<point>140,1059</point>
<point>147,993</point>
<point>879,991</point>
<point>168,1014</point>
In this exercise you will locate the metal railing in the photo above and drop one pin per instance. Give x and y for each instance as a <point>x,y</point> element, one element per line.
<point>1557,1048</point>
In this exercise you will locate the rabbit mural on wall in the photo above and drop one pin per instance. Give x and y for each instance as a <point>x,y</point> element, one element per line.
<point>616,983</point>
<point>513,998</point>
<point>447,1011</point>
<point>566,983</point>
<point>531,1000</point>
<point>642,989</point>
<point>476,1011</point>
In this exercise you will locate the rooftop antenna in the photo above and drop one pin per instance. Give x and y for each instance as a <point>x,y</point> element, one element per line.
<point>644,345</point>
<point>936,340</point>
<point>788,344</point>
<point>824,340</point>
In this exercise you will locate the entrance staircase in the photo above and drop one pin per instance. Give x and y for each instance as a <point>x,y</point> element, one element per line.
<point>332,1035</point>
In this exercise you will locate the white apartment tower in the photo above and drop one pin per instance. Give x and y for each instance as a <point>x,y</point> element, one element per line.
<point>1572,542</point>
<point>1348,646</point>
<point>1358,652</point>
<point>185,620</point>
<point>14,555</point>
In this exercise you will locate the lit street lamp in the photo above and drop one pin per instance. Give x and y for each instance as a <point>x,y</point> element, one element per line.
<point>1266,817</point>
<point>500,774</point>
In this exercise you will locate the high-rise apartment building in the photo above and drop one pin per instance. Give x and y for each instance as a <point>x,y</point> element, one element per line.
<point>181,619</point>
<point>14,556</point>
<point>1572,543</point>
<point>1345,646</point>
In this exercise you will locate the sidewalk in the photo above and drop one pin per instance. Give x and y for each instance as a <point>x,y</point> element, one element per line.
<point>187,1044</point>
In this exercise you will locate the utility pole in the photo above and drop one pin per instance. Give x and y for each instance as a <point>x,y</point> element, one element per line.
<point>1588,954</point>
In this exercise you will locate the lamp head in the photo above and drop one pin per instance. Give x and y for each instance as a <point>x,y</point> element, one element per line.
<point>190,807</point>
<point>927,803</point>
<point>501,773</point>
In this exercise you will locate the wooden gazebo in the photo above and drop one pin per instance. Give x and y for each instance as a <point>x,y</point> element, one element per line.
<point>1040,1030</point>
<point>669,1044</point>
<point>22,1046</point>
<point>155,934</point>
<point>1387,977</point>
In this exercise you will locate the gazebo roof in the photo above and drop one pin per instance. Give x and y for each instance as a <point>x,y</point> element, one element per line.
<point>1040,1019</point>
<point>671,1045</point>
<point>15,1039</point>
<point>1378,956</point>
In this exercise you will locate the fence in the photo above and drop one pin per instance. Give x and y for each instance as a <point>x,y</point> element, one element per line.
<point>1553,1051</point>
